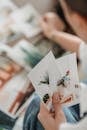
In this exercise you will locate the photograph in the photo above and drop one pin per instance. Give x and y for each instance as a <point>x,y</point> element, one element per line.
<point>53,77</point>
<point>68,85</point>
<point>8,68</point>
<point>14,83</point>
<point>39,76</point>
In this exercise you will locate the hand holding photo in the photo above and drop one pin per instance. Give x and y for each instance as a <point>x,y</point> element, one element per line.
<point>48,77</point>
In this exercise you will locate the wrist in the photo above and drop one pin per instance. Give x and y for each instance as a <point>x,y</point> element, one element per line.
<point>53,35</point>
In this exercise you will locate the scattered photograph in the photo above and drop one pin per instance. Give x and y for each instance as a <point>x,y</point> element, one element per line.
<point>26,23</point>
<point>26,54</point>
<point>14,84</point>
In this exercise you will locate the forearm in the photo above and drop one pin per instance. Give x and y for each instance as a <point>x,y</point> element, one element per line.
<point>67,41</point>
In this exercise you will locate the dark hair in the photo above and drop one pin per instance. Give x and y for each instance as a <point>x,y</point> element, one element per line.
<point>80,6</point>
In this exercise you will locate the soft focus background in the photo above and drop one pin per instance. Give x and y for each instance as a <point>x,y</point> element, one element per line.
<point>22,46</point>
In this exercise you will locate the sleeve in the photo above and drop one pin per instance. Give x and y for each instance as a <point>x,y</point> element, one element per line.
<point>83,58</point>
<point>83,52</point>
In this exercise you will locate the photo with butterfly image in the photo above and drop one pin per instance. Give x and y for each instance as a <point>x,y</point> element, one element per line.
<point>62,77</point>
<point>68,85</point>
<point>40,78</point>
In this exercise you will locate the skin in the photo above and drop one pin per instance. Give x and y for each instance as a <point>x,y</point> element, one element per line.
<point>75,20</point>
<point>49,120</point>
<point>65,40</point>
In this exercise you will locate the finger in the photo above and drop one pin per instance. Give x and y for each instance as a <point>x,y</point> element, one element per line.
<point>49,100</point>
<point>44,114</point>
<point>56,102</point>
<point>43,109</point>
<point>59,114</point>
<point>56,98</point>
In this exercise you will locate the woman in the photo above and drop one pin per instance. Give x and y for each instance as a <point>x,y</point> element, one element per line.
<point>49,24</point>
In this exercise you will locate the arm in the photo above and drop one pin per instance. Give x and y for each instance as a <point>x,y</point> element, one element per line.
<point>65,40</point>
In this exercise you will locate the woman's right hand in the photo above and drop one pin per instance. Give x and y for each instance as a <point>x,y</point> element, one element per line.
<point>59,114</point>
<point>49,120</point>
<point>50,23</point>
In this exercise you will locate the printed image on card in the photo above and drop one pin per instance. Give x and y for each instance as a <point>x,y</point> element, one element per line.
<point>40,78</point>
<point>68,85</point>
<point>8,68</point>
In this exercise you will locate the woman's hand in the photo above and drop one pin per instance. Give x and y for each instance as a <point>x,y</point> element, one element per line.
<point>59,114</point>
<point>50,120</point>
<point>50,22</point>
<point>46,118</point>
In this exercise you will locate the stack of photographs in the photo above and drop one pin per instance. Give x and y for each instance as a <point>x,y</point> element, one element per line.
<point>6,8</point>
<point>60,76</point>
